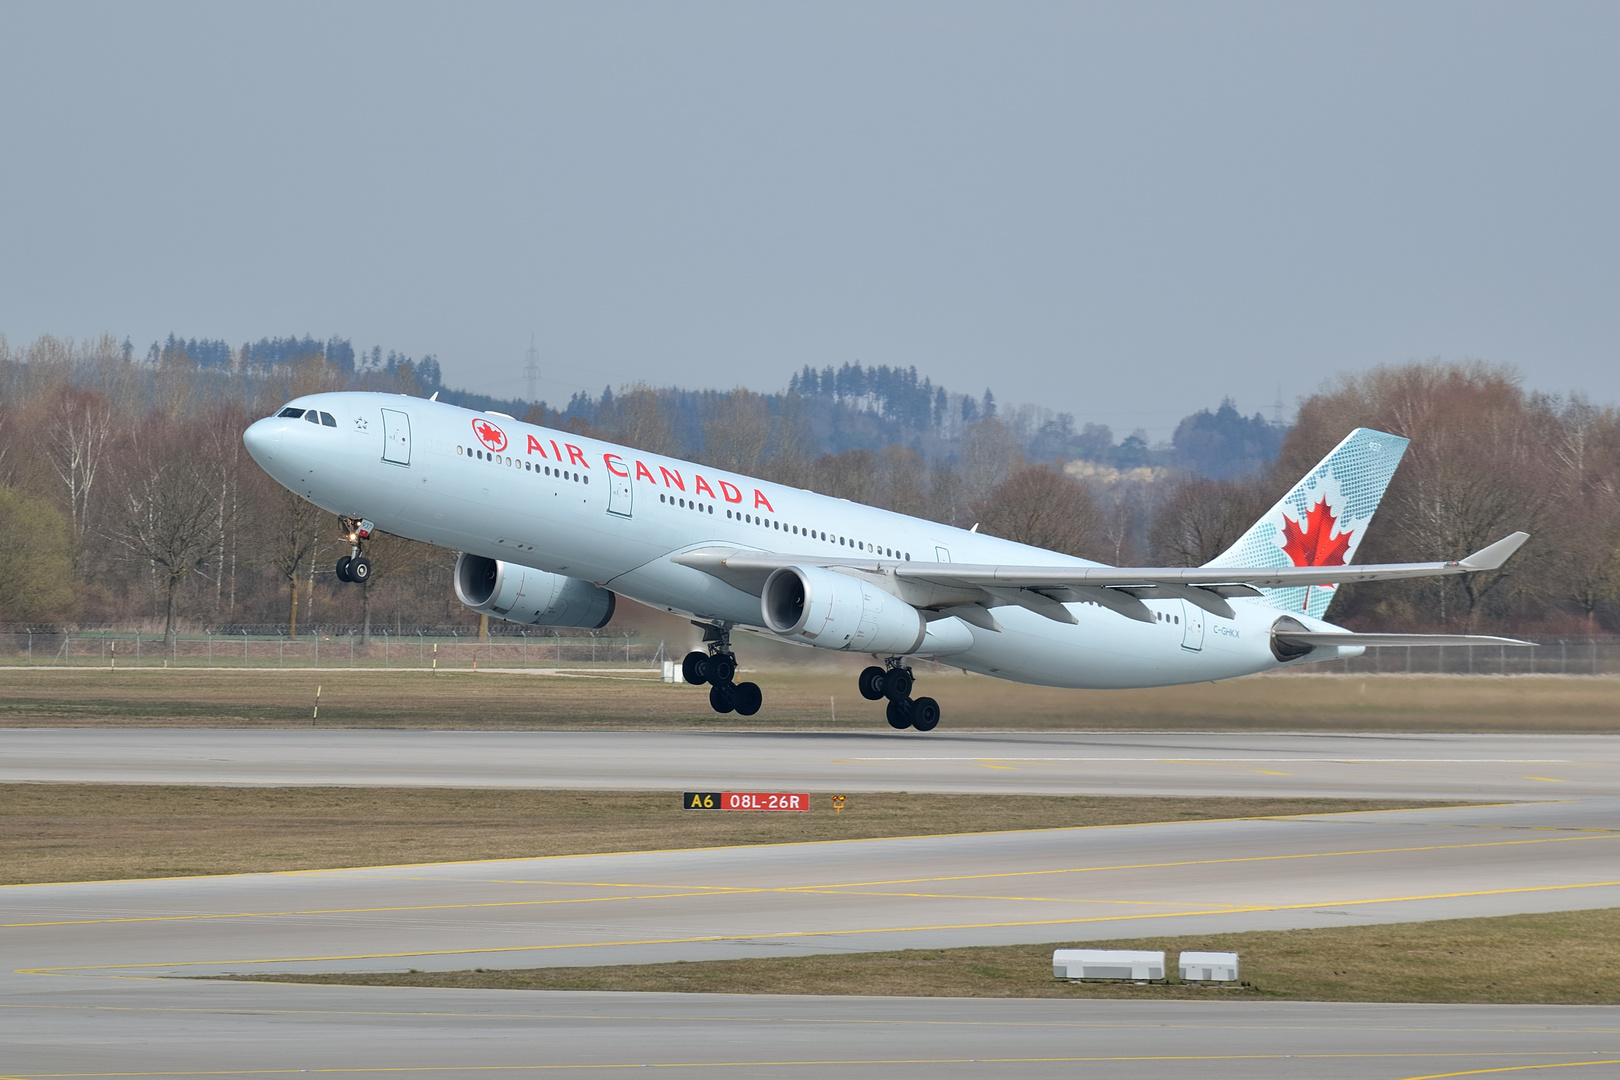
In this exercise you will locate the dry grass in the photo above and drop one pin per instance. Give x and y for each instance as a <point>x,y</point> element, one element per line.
<point>80,832</point>
<point>1565,958</point>
<point>795,698</point>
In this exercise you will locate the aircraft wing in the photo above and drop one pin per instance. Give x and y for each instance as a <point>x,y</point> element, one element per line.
<point>942,586</point>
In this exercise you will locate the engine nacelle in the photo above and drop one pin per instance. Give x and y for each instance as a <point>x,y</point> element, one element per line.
<point>524,595</point>
<point>836,611</point>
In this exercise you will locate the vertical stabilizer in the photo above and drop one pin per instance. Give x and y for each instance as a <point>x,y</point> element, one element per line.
<point>1322,520</point>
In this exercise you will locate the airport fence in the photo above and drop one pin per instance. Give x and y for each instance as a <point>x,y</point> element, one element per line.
<point>536,647</point>
<point>330,646</point>
<point>1580,654</point>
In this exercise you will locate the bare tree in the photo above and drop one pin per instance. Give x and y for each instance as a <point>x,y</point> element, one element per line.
<point>736,431</point>
<point>167,520</point>
<point>1041,506</point>
<point>294,531</point>
<point>1197,519</point>
<point>80,426</point>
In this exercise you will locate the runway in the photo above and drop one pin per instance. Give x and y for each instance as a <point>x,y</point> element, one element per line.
<point>1480,767</point>
<point>222,1030</point>
<point>88,987</point>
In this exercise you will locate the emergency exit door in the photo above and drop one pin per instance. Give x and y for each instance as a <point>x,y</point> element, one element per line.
<point>396,437</point>
<point>621,494</point>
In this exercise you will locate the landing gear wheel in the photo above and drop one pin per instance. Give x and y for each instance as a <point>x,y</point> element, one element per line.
<point>721,699</point>
<point>900,714</point>
<point>924,714</point>
<point>871,683</point>
<point>360,570</point>
<point>342,570</point>
<point>897,683</point>
<point>695,668</point>
<point>746,698</point>
<point>722,669</point>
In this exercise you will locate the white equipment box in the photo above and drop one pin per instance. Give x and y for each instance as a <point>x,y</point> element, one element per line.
<point>1107,964</point>
<point>1209,967</point>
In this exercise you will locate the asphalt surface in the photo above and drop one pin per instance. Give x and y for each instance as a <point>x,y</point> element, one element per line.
<point>88,988</point>
<point>1118,763</point>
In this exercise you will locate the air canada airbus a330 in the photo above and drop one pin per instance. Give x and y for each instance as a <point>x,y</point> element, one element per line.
<point>552,526</point>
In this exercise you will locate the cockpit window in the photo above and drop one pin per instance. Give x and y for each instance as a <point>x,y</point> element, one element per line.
<point>291,412</point>
<point>328,420</point>
<point>312,416</point>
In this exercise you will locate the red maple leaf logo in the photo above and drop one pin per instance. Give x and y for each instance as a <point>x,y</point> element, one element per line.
<point>490,435</point>
<point>1315,544</point>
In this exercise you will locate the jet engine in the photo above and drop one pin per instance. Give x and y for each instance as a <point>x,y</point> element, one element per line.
<point>524,595</point>
<point>835,611</point>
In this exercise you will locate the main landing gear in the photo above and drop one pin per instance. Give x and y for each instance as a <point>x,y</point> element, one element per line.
<point>355,566</point>
<point>718,668</point>
<point>895,682</point>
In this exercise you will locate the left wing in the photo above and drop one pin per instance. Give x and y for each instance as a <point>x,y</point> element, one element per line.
<point>957,588</point>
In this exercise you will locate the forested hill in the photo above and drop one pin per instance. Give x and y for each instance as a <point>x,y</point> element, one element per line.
<point>850,407</point>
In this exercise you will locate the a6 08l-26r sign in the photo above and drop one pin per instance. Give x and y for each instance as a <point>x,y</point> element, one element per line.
<point>745,800</point>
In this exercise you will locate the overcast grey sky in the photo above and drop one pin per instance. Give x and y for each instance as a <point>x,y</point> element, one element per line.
<point>1123,211</point>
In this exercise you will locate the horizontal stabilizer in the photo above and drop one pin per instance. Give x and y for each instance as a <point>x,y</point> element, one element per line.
<point>1314,638</point>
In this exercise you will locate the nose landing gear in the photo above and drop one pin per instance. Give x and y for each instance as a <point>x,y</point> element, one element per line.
<point>895,683</point>
<point>355,566</point>
<point>718,668</point>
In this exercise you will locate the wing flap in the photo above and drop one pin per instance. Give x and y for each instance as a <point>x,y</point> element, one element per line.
<point>1314,638</point>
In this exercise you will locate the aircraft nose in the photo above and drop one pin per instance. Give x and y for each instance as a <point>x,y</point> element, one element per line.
<point>263,438</point>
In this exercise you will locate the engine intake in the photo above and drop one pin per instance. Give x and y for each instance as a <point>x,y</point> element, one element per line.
<point>525,595</point>
<point>835,611</point>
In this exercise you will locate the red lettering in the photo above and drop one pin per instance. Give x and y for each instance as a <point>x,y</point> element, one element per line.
<point>611,460</point>
<point>701,485</point>
<point>534,445</point>
<point>642,470</point>
<point>761,500</point>
<point>576,456</point>
<point>555,452</point>
<point>731,493</point>
<point>676,475</point>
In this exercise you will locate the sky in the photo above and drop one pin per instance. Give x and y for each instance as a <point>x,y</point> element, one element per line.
<point>1123,211</point>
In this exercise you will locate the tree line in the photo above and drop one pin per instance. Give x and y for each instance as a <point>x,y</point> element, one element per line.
<point>126,497</point>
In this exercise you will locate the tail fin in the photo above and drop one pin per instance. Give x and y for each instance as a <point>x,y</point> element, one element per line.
<point>1321,521</point>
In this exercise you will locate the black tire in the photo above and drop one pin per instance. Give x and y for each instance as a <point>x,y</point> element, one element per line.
<point>899,714</point>
<point>871,683</point>
<point>746,698</point>
<point>720,699</point>
<point>695,668</point>
<point>360,570</point>
<point>925,714</point>
<point>342,569</point>
<point>722,669</point>
<point>897,683</point>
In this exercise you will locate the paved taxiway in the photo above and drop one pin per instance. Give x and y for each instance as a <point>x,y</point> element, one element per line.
<point>78,994</point>
<point>1117,763</point>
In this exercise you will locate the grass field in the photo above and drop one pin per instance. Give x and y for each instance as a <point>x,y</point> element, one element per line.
<point>821,697</point>
<point>1564,958</point>
<point>80,832</point>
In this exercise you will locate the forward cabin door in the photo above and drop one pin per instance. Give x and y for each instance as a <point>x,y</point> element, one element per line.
<point>396,437</point>
<point>621,494</point>
<point>1192,626</point>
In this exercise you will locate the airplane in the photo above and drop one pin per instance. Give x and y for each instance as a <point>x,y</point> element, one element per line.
<point>551,527</point>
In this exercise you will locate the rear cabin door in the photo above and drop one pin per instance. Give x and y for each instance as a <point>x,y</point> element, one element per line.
<point>1192,626</point>
<point>396,437</point>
